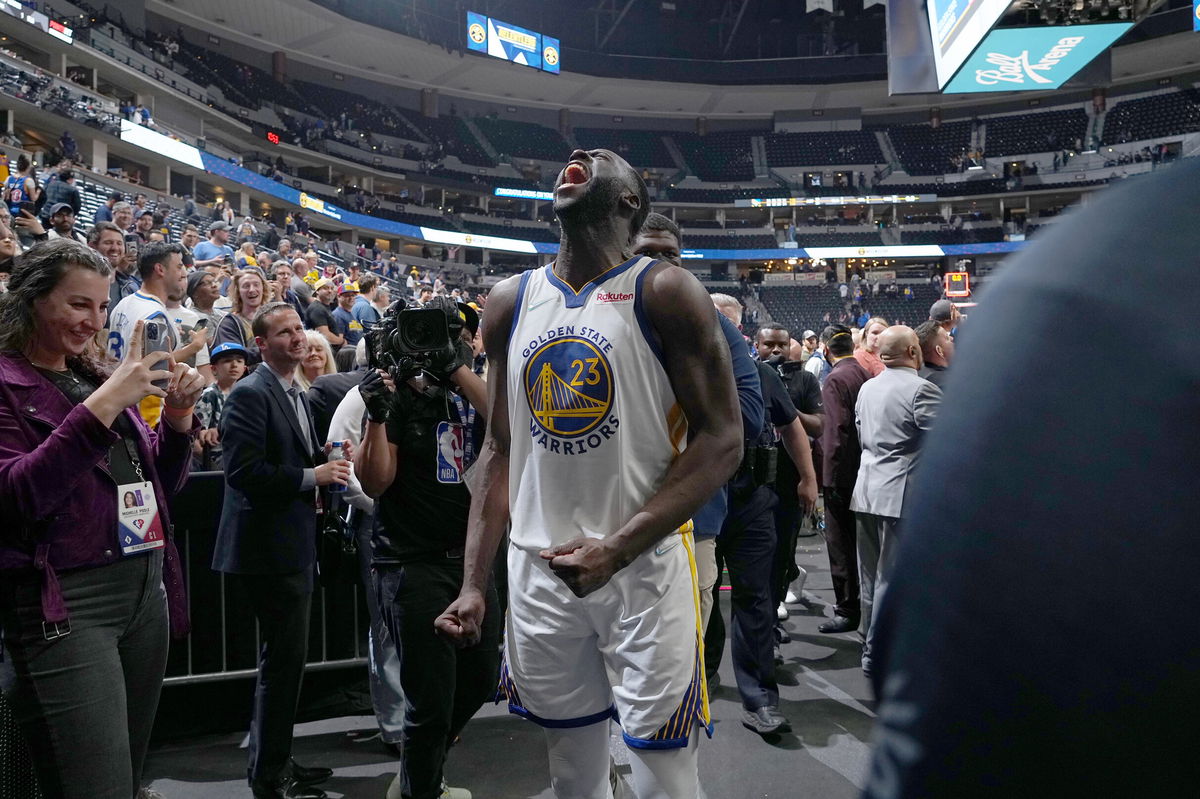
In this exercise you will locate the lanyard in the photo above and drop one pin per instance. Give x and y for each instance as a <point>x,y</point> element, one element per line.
<point>134,460</point>
<point>466,415</point>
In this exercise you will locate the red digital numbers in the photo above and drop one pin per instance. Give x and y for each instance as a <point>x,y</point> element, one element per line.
<point>272,137</point>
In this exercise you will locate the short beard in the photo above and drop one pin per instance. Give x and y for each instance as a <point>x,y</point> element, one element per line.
<point>597,206</point>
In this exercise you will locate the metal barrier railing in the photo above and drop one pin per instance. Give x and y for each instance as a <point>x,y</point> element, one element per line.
<point>224,642</point>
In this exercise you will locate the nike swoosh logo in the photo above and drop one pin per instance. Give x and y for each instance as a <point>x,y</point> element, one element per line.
<point>664,548</point>
<point>539,304</point>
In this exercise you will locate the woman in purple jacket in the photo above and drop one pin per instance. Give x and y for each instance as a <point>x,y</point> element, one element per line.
<point>87,584</point>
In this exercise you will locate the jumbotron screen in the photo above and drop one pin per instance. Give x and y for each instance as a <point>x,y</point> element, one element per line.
<point>1015,59</point>
<point>957,27</point>
<point>512,43</point>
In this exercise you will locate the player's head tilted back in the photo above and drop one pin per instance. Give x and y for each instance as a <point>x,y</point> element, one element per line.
<point>598,189</point>
<point>659,238</point>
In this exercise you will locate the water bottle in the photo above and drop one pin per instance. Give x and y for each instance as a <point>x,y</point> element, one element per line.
<point>337,454</point>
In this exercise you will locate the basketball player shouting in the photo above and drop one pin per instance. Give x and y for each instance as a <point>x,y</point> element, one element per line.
<point>613,418</point>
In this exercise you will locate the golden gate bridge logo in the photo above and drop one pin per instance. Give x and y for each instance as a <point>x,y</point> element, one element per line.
<point>568,384</point>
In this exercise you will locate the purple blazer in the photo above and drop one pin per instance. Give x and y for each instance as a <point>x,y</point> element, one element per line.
<point>57,501</point>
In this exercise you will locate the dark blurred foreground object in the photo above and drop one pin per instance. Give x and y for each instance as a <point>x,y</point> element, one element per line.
<point>1039,637</point>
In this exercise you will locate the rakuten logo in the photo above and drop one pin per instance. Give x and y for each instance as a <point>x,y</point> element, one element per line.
<point>1018,69</point>
<point>605,296</point>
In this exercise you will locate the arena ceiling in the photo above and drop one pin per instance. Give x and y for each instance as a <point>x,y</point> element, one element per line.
<point>311,33</point>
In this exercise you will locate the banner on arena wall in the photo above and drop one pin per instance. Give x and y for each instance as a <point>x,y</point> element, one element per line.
<point>804,278</point>
<point>1196,15</point>
<point>865,199</point>
<point>523,194</point>
<point>176,150</point>
<point>896,251</point>
<point>474,240</point>
<point>320,206</point>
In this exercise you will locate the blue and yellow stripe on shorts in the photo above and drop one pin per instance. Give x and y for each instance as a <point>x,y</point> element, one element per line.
<point>694,706</point>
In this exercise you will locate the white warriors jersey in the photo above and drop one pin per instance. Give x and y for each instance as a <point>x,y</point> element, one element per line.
<point>594,421</point>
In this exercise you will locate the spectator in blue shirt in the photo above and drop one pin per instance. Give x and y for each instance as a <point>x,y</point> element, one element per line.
<point>216,250</point>
<point>351,328</point>
<point>104,212</point>
<point>364,310</point>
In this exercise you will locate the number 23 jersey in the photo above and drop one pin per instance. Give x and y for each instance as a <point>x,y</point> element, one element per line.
<point>594,420</point>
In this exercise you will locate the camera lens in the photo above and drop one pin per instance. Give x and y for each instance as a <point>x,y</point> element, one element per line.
<point>423,331</point>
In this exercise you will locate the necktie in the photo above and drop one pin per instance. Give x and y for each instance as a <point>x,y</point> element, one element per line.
<point>301,415</point>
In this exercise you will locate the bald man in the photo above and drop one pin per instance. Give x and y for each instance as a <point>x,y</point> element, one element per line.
<point>300,268</point>
<point>892,414</point>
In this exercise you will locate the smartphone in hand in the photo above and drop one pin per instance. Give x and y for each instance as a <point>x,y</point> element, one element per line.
<point>156,337</point>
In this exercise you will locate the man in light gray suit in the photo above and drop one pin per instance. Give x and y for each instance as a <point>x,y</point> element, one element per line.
<point>893,412</point>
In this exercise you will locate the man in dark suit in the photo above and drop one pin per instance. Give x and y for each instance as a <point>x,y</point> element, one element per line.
<point>937,349</point>
<point>267,538</point>
<point>840,454</point>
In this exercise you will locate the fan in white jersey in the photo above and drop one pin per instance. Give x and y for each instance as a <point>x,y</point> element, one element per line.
<point>163,281</point>
<point>613,417</point>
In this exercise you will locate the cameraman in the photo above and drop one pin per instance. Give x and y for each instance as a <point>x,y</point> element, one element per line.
<point>422,433</point>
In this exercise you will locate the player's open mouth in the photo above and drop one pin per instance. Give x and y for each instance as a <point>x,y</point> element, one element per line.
<point>575,173</point>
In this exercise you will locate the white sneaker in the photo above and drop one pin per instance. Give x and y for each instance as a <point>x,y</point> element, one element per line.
<point>797,589</point>
<point>781,612</point>
<point>791,598</point>
<point>453,793</point>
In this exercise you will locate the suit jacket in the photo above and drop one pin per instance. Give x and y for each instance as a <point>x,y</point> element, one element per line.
<point>893,412</point>
<point>935,374</point>
<point>324,396</point>
<point>840,448</point>
<point>268,524</point>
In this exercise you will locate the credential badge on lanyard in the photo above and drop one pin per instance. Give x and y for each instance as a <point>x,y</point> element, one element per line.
<point>456,448</point>
<point>139,527</point>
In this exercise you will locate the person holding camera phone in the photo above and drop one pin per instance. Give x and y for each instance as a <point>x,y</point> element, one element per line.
<point>161,269</point>
<point>267,538</point>
<point>425,420</point>
<point>88,586</point>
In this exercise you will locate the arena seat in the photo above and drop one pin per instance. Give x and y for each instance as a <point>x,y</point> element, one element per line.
<point>695,194</point>
<point>1152,117</point>
<point>1042,132</point>
<point>827,148</point>
<point>641,148</point>
<point>523,139</point>
<point>719,156</point>
<point>924,150</point>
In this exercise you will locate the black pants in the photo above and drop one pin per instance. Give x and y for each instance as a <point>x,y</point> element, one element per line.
<point>444,685</point>
<point>747,547</point>
<point>86,700</point>
<point>787,529</point>
<point>841,546</point>
<point>281,603</point>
